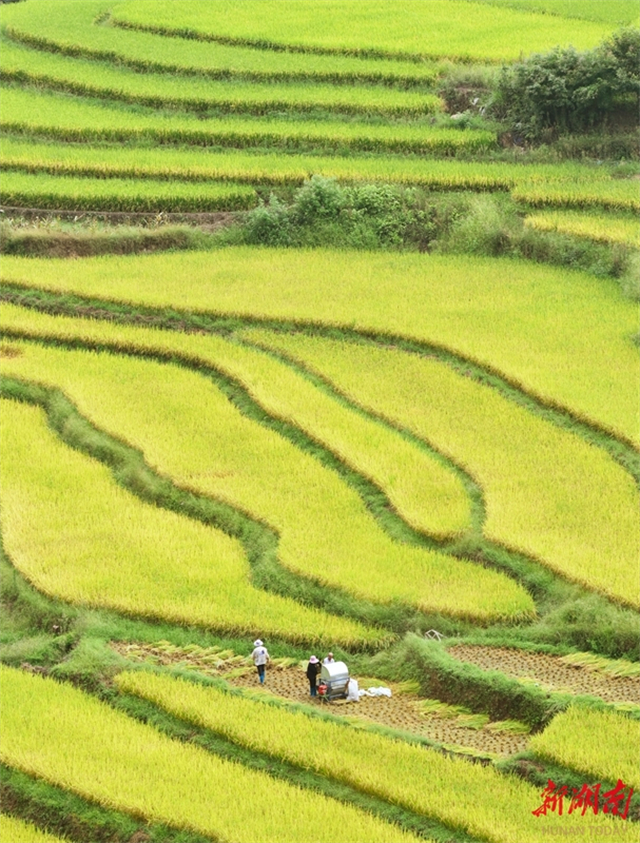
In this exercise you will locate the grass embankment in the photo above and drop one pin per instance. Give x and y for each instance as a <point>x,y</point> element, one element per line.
<point>492,312</point>
<point>325,530</point>
<point>106,756</point>
<point>79,537</point>
<point>543,487</point>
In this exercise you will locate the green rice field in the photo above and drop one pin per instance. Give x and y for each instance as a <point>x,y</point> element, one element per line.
<point>307,344</point>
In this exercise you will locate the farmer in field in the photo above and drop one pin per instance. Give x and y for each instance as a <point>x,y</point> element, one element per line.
<point>260,658</point>
<point>328,659</point>
<point>313,670</point>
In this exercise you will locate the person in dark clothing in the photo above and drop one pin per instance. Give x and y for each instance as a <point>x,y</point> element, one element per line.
<point>313,671</point>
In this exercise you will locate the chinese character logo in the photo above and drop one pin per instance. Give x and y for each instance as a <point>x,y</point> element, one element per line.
<point>587,798</point>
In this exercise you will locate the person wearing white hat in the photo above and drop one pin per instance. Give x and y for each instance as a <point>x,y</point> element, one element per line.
<point>260,658</point>
<point>313,670</point>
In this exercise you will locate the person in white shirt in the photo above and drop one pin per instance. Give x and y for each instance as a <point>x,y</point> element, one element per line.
<point>260,658</point>
<point>328,659</point>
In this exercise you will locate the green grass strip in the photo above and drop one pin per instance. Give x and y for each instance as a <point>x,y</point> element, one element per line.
<point>73,119</point>
<point>82,28</point>
<point>601,744</point>
<point>396,771</point>
<point>75,741</point>
<point>41,190</point>
<point>90,78</point>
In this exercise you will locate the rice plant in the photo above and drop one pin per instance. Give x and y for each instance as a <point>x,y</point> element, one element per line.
<point>77,535</point>
<point>501,320</point>
<point>543,486</point>
<point>408,29</point>
<point>423,490</point>
<point>111,82</point>
<point>42,190</point>
<point>18,831</point>
<point>187,429</point>
<point>603,228</point>
<point>75,28</point>
<point>601,744</point>
<point>60,734</point>
<point>53,115</point>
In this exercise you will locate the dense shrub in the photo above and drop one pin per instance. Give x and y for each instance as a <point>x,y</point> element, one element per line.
<point>324,213</point>
<point>565,90</point>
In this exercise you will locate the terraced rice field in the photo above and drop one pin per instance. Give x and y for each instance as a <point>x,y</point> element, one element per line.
<point>110,758</point>
<point>320,448</point>
<point>503,447</point>
<point>491,312</point>
<point>304,503</point>
<point>75,76</point>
